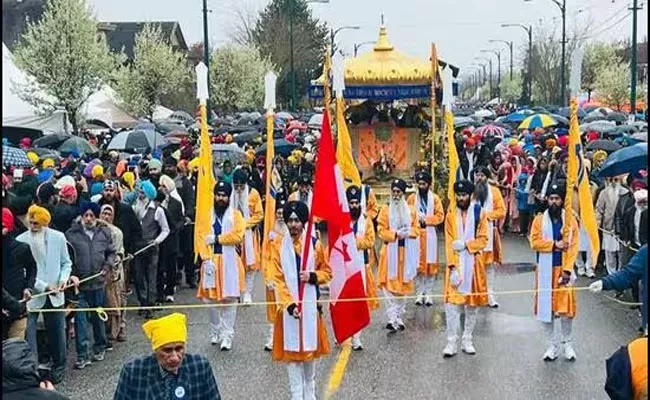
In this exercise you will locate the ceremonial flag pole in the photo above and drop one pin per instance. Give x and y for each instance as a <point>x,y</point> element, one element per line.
<point>434,73</point>
<point>576,174</point>
<point>327,94</point>
<point>455,172</point>
<point>344,156</point>
<point>270,192</point>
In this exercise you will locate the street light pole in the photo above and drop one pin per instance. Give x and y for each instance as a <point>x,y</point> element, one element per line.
<point>509,43</point>
<point>633,66</point>
<point>206,51</point>
<point>498,54</point>
<point>529,78</point>
<point>357,46</point>
<point>334,32</point>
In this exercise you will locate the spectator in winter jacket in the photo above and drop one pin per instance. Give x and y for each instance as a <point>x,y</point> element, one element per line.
<point>522,203</point>
<point>171,202</point>
<point>66,210</point>
<point>94,253</point>
<point>125,218</point>
<point>18,276</point>
<point>627,371</point>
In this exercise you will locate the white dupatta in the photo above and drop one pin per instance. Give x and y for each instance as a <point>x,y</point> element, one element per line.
<point>432,237</point>
<point>309,312</point>
<point>465,233</point>
<point>230,284</point>
<point>411,251</point>
<point>361,231</point>
<point>489,207</point>
<point>249,247</point>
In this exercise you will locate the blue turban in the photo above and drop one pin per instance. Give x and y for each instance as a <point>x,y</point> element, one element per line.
<point>149,190</point>
<point>85,205</point>
<point>5,141</point>
<point>45,175</point>
<point>96,188</point>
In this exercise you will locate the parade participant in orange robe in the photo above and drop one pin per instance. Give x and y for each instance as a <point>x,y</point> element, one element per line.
<point>430,214</point>
<point>491,200</point>
<point>466,234</point>
<point>399,256</point>
<point>364,232</point>
<point>300,336</point>
<point>556,255</point>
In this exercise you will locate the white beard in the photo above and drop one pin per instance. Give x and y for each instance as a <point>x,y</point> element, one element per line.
<point>399,213</point>
<point>240,199</point>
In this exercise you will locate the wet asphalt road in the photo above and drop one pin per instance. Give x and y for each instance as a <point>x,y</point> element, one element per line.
<point>406,365</point>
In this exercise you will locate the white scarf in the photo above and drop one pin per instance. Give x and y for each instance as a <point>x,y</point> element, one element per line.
<point>547,180</point>
<point>364,200</point>
<point>361,231</point>
<point>488,207</point>
<point>249,248</point>
<point>465,258</point>
<point>432,237</point>
<point>412,246</point>
<point>230,284</point>
<point>308,320</point>
<point>545,272</point>
<point>470,159</point>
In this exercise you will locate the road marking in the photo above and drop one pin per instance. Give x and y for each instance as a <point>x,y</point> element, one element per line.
<point>339,370</point>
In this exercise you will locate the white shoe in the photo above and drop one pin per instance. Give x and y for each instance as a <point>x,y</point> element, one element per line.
<point>268,346</point>
<point>214,339</point>
<point>582,271</point>
<point>569,353</point>
<point>492,302</point>
<point>468,347</point>
<point>591,274</point>
<point>420,299</point>
<point>247,299</point>
<point>450,349</point>
<point>551,353</point>
<point>356,344</point>
<point>169,299</point>
<point>226,344</point>
<point>428,300</point>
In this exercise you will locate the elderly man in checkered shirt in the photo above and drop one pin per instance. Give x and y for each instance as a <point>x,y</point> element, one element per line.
<point>169,373</point>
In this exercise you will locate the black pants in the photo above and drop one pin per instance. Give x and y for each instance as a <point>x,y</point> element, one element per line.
<point>524,218</point>
<point>166,278</point>
<point>146,272</point>
<point>186,256</point>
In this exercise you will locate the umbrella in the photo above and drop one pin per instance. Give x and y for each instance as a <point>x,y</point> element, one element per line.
<point>246,119</point>
<point>44,153</point>
<point>566,112</point>
<point>518,116</point>
<point>138,140</point>
<point>491,130</point>
<point>616,117</point>
<point>282,147</point>
<point>603,144</point>
<point>641,136</point>
<point>77,145</point>
<point>484,113</point>
<point>537,121</point>
<point>594,117</point>
<point>629,159</point>
<point>461,122</point>
<point>640,124</point>
<point>180,116</point>
<point>284,115</point>
<point>540,110</point>
<point>165,128</point>
<point>316,121</point>
<point>599,126</point>
<point>223,152</point>
<point>51,141</point>
<point>247,136</point>
<point>14,157</point>
<point>560,119</point>
<point>629,129</point>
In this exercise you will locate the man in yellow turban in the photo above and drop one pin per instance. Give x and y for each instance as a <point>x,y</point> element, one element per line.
<point>168,373</point>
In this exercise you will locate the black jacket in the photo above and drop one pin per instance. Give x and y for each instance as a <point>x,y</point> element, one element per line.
<point>91,255</point>
<point>19,267</point>
<point>624,202</point>
<point>176,221</point>
<point>129,224</point>
<point>20,379</point>
<point>186,191</point>
<point>62,216</point>
<point>481,157</point>
<point>627,232</point>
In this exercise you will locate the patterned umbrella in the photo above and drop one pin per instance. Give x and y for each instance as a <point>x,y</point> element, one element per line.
<point>491,130</point>
<point>538,121</point>
<point>14,157</point>
<point>518,116</point>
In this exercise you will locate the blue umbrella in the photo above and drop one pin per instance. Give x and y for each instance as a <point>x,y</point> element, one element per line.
<point>626,160</point>
<point>518,116</point>
<point>12,156</point>
<point>566,112</point>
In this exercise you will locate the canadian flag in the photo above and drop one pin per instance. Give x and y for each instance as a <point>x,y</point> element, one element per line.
<point>331,205</point>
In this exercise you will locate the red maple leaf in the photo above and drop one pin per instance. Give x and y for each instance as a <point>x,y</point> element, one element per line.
<point>344,251</point>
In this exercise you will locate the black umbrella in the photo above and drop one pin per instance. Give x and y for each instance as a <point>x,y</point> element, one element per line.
<point>594,118</point>
<point>560,119</point>
<point>616,117</point>
<point>247,136</point>
<point>51,141</point>
<point>629,129</point>
<point>540,110</point>
<point>77,145</point>
<point>627,160</point>
<point>282,147</point>
<point>603,144</point>
<point>165,128</point>
<point>42,152</point>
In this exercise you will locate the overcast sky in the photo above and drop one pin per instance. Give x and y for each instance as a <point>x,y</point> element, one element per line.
<point>460,28</point>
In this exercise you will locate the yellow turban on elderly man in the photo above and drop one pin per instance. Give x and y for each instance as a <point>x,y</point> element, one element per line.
<point>171,328</point>
<point>39,214</point>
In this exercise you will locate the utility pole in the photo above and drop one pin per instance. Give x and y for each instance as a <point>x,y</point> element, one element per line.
<point>633,65</point>
<point>563,90</point>
<point>206,51</point>
<point>292,106</point>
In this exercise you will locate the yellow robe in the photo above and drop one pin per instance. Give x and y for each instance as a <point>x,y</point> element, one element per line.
<point>372,210</point>
<point>256,216</point>
<point>232,238</point>
<point>324,275</point>
<point>367,242</point>
<point>498,212</point>
<point>479,281</point>
<point>563,302</point>
<point>429,220</point>
<point>386,235</point>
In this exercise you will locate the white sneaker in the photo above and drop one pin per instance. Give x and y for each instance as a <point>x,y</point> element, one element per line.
<point>582,271</point>
<point>428,300</point>
<point>169,299</point>
<point>356,344</point>
<point>591,274</point>
<point>226,344</point>
<point>492,302</point>
<point>468,347</point>
<point>247,299</point>
<point>551,353</point>
<point>420,299</point>
<point>214,339</point>
<point>569,353</point>
<point>450,349</point>
<point>268,346</point>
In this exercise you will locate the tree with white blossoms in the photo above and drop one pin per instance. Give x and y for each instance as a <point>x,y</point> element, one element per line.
<point>613,84</point>
<point>237,77</point>
<point>65,58</point>
<point>157,70</point>
<point>511,88</point>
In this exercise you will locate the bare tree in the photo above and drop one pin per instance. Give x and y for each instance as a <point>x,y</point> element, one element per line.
<point>244,15</point>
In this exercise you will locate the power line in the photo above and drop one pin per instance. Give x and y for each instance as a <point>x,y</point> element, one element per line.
<point>605,29</point>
